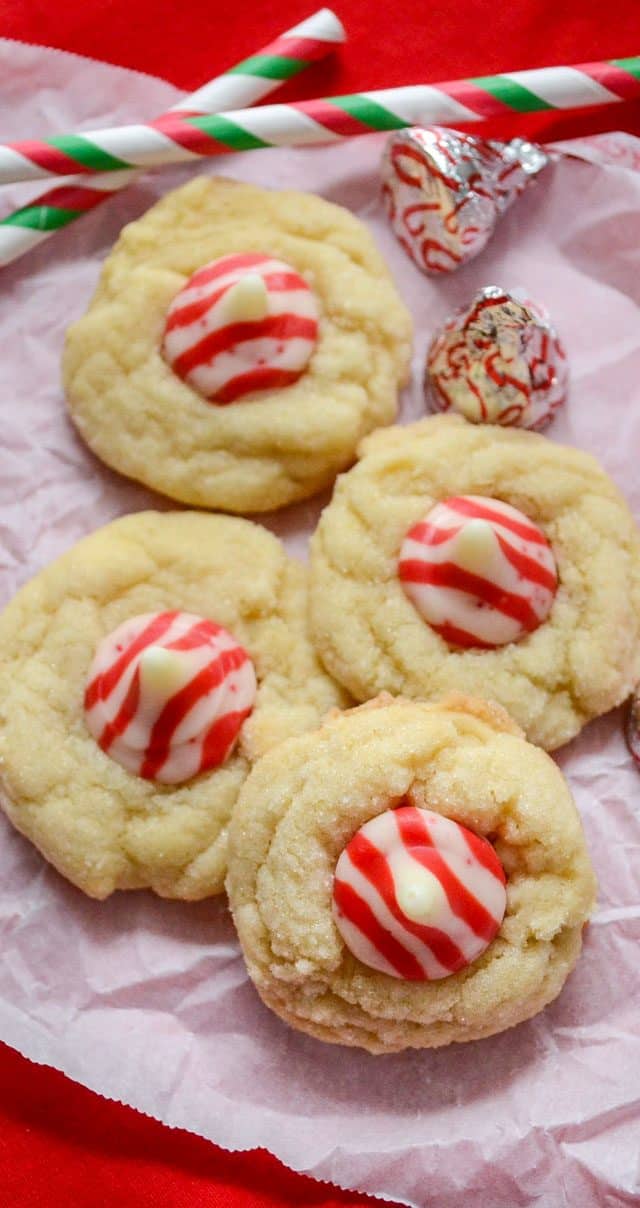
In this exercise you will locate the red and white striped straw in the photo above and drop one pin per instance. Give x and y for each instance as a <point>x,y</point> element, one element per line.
<point>180,137</point>
<point>242,85</point>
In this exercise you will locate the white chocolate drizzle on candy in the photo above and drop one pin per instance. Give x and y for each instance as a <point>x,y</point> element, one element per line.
<point>167,694</point>
<point>241,324</point>
<point>478,571</point>
<point>498,361</point>
<point>418,896</point>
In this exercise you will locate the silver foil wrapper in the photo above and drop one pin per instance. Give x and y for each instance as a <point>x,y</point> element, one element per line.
<point>498,361</point>
<point>444,191</point>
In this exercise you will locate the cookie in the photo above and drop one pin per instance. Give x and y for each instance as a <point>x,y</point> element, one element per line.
<point>579,662</point>
<point>488,843</point>
<point>223,393</point>
<point>180,603</point>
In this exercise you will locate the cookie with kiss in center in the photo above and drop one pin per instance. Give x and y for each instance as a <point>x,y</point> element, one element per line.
<point>487,560</point>
<point>240,343</point>
<point>140,675</point>
<point>408,875</point>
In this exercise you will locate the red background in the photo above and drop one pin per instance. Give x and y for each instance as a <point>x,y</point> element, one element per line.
<point>59,1143</point>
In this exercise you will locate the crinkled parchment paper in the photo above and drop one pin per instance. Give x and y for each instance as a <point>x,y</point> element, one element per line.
<point>147,1001</point>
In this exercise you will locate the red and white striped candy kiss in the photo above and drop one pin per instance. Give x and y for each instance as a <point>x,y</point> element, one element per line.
<point>167,694</point>
<point>241,324</point>
<point>418,896</point>
<point>478,571</point>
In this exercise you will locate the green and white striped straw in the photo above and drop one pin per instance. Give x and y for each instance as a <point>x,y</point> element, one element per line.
<point>242,85</point>
<point>181,138</point>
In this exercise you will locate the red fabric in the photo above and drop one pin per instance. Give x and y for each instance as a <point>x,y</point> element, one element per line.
<point>403,42</point>
<point>59,1143</point>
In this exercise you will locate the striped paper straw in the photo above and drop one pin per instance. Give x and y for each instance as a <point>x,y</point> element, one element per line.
<point>241,85</point>
<point>180,138</point>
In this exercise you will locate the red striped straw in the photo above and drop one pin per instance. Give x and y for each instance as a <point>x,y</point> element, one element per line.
<point>242,85</point>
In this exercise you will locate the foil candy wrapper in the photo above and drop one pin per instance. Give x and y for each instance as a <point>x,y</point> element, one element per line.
<point>498,361</point>
<point>444,191</point>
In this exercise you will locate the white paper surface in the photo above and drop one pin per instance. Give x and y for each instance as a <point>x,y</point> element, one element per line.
<point>147,1001</point>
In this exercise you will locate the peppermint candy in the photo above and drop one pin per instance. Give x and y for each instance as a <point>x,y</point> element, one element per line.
<point>167,694</point>
<point>498,361</point>
<point>478,571</point>
<point>241,324</point>
<point>444,191</point>
<point>418,896</point>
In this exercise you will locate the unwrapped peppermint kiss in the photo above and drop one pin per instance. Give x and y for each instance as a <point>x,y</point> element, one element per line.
<point>167,694</point>
<point>418,896</point>
<point>478,571</point>
<point>632,726</point>
<point>444,191</point>
<point>498,361</point>
<point>241,324</point>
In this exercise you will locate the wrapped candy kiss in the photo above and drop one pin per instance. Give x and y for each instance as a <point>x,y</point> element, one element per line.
<point>498,361</point>
<point>444,191</point>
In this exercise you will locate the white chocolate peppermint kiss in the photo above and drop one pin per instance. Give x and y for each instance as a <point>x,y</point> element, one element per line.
<point>478,571</point>
<point>418,896</point>
<point>241,324</point>
<point>498,361</point>
<point>167,694</point>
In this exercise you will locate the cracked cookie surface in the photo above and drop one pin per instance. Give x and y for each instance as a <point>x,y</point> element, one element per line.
<point>102,827</point>
<point>265,450</point>
<point>304,801</point>
<point>581,662</point>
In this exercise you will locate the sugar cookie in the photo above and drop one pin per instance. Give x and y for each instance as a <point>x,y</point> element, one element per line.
<point>445,961</point>
<point>186,597</point>
<point>581,661</point>
<point>157,371</point>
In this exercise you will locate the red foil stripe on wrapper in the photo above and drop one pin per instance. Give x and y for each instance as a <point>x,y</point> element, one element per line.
<point>499,361</point>
<point>444,191</point>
